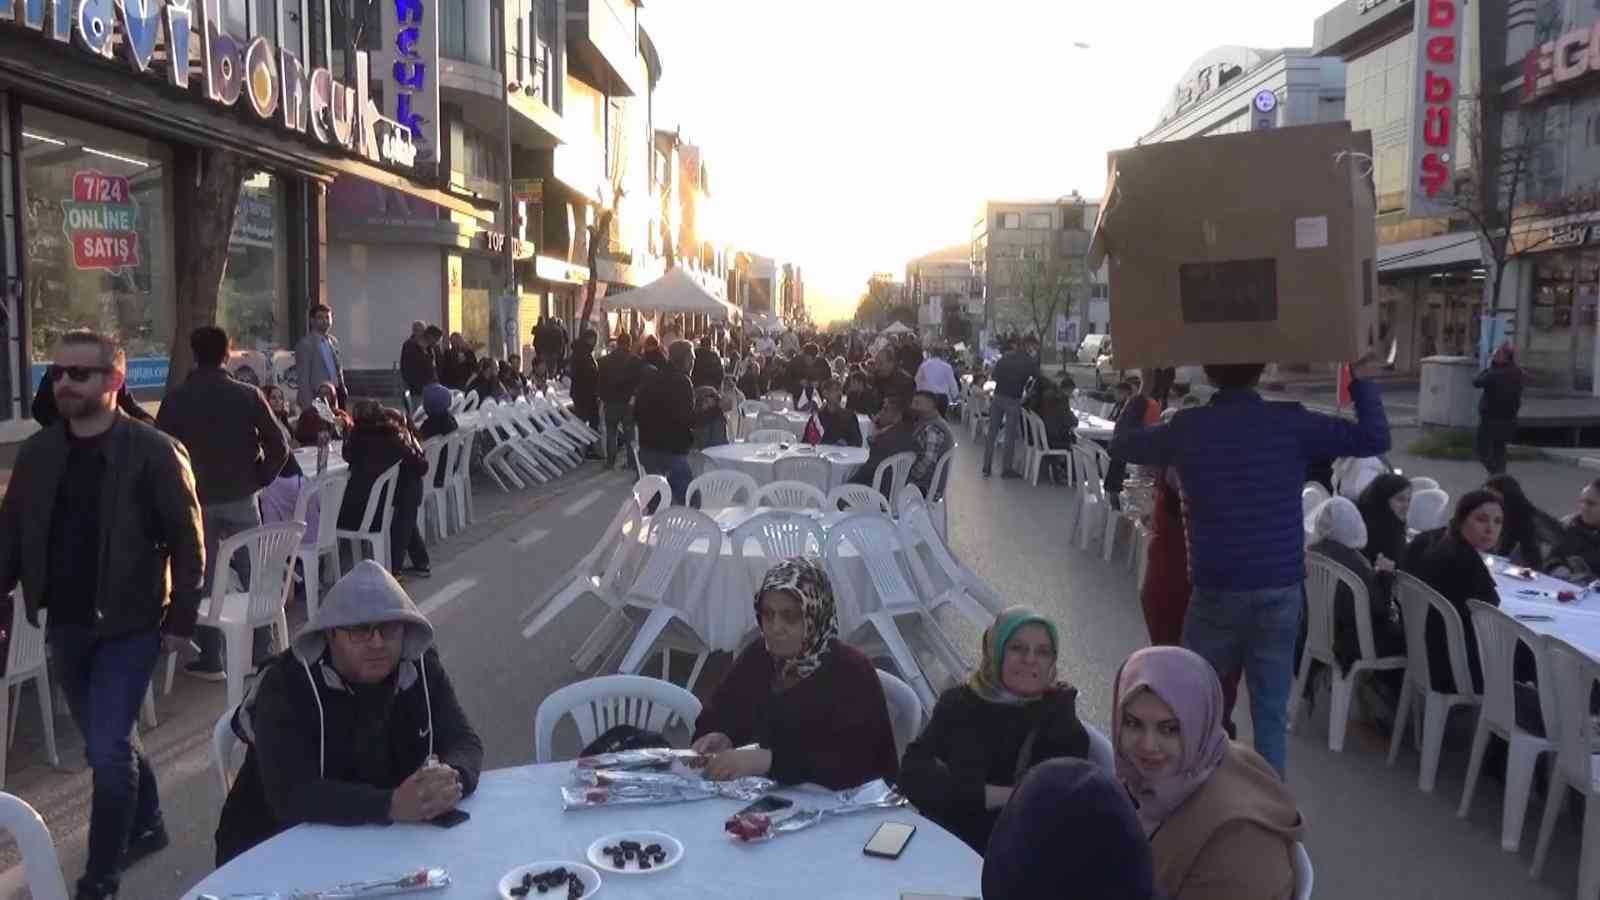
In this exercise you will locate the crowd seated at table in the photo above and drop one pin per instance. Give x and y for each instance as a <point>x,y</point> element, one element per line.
<point>1451,562</point>
<point>810,703</point>
<point>892,434</point>
<point>355,724</point>
<point>1340,533</point>
<point>381,440</point>
<point>986,734</point>
<point>840,427</point>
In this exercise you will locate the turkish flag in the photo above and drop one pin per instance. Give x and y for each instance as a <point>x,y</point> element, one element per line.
<point>1344,384</point>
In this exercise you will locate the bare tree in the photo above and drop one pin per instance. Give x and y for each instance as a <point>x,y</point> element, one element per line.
<point>1049,287</point>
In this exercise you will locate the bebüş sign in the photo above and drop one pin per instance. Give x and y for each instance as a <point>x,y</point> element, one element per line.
<point>1438,69</point>
<point>274,82</point>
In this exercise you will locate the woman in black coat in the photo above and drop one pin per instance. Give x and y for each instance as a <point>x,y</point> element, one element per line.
<point>1452,564</point>
<point>1530,535</point>
<point>381,439</point>
<point>586,380</point>
<point>1340,535</point>
<point>1384,503</point>
<point>986,734</point>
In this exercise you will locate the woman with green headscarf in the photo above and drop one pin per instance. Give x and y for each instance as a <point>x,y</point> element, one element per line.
<point>1011,715</point>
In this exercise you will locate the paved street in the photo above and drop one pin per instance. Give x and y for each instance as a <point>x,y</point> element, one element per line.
<point>1371,833</point>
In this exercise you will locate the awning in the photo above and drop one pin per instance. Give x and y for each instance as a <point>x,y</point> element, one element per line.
<point>897,328</point>
<point>1440,252</point>
<point>674,292</point>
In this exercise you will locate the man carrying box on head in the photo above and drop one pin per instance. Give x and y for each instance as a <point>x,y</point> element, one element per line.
<point>1242,462</point>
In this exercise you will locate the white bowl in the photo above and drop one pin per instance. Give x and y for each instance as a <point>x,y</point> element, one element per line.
<point>513,878</point>
<point>670,844</point>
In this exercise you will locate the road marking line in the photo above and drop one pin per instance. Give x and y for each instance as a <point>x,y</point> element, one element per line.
<point>446,594</point>
<point>583,503</point>
<point>533,537</point>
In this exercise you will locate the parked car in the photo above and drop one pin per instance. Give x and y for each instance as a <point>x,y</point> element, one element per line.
<point>1093,347</point>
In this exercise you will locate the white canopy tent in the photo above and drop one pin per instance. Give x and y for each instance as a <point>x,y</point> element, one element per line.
<point>897,328</point>
<point>674,292</point>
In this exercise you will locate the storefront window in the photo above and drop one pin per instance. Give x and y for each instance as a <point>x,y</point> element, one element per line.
<point>98,249</point>
<point>478,285</point>
<point>253,303</point>
<point>1547,349</point>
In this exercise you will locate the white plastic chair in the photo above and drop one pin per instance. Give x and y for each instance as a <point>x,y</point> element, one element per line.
<point>328,488</point>
<point>910,496</point>
<point>471,403</point>
<point>458,478</point>
<point>750,410</point>
<point>813,470</point>
<point>771,436</point>
<point>940,579</point>
<point>26,661</point>
<point>873,538</point>
<point>978,421</point>
<point>774,422</point>
<point>376,520</point>
<point>1416,599</point>
<point>1037,446</point>
<point>778,399</point>
<point>1094,513</point>
<point>857,498</point>
<point>597,705</point>
<point>1429,510</point>
<point>672,532</point>
<point>1498,636</point>
<point>1323,577</point>
<point>1423,483</point>
<point>271,551</point>
<point>938,509</point>
<point>1101,753</point>
<point>721,488</point>
<point>433,448</point>
<point>602,570</point>
<point>891,476</point>
<point>1573,677</point>
<point>905,710</point>
<point>40,864</point>
<point>791,495</point>
<point>224,746</point>
<point>1304,876</point>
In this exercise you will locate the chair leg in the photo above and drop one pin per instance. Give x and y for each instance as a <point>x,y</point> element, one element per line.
<point>41,685</point>
<point>1434,714</point>
<point>694,674</point>
<point>1520,763</point>
<point>1339,711</point>
<point>1108,547</point>
<point>147,711</point>
<point>1297,691</point>
<point>554,606</point>
<point>656,623</point>
<point>904,659</point>
<point>600,640</point>
<point>1402,721</point>
<point>1589,851</point>
<point>311,566</point>
<point>1556,797</point>
<point>13,698</point>
<point>1480,744</point>
<point>5,716</point>
<point>172,669</point>
<point>236,645</point>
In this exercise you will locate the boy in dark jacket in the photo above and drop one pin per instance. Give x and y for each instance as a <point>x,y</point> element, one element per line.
<point>355,724</point>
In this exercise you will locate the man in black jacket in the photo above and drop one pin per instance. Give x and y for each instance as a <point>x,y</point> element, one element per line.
<point>418,361</point>
<point>892,435</point>
<point>707,366</point>
<point>664,410</point>
<point>1498,408</point>
<point>238,447</point>
<point>891,381</point>
<point>1011,375</point>
<point>101,526</point>
<point>458,364</point>
<point>586,381</point>
<point>620,373</point>
<point>356,724</point>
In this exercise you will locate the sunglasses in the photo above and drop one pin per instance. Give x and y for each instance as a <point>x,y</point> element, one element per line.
<point>389,631</point>
<point>77,373</point>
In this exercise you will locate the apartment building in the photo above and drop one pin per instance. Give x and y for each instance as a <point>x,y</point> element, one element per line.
<point>940,282</point>
<point>1018,242</point>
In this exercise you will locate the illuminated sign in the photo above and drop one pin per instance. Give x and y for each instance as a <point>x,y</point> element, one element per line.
<point>275,84</point>
<point>99,221</point>
<point>1557,63</point>
<point>1433,132</point>
<point>411,33</point>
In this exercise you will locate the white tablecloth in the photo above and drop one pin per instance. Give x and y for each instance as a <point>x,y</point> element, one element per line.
<point>724,614</point>
<point>759,460</point>
<point>517,819</point>
<point>795,423</point>
<point>1576,621</point>
<point>1093,427</point>
<point>307,458</point>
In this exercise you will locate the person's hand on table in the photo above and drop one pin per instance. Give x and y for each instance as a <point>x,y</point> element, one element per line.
<point>429,791</point>
<point>715,742</point>
<point>730,764</point>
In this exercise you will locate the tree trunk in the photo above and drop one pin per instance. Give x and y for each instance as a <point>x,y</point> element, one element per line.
<point>207,190</point>
<point>602,227</point>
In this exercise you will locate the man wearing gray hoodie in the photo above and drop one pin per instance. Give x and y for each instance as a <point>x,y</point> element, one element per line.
<point>355,724</point>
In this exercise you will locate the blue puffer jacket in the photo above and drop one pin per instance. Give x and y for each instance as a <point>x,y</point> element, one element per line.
<point>1242,461</point>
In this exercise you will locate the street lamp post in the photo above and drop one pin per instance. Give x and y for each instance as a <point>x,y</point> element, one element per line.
<point>507,307</point>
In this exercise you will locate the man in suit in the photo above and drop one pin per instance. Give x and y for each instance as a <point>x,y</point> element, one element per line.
<point>317,359</point>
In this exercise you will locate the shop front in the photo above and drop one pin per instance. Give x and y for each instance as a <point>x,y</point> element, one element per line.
<point>100,140</point>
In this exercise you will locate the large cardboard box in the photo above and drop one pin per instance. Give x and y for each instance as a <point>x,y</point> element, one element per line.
<point>1256,247</point>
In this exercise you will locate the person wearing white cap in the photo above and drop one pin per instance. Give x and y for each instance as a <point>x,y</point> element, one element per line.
<point>355,724</point>
<point>1339,532</point>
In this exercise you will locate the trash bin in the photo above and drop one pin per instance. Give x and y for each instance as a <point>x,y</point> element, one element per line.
<point>1447,396</point>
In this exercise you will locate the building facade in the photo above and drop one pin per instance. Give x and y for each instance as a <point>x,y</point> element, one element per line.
<point>939,285</point>
<point>1218,92</point>
<point>1020,251</point>
<point>104,129</point>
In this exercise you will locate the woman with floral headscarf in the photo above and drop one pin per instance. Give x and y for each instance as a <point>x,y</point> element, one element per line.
<point>1011,715</point>
<point>1221,825</point>
<point>809,703</point>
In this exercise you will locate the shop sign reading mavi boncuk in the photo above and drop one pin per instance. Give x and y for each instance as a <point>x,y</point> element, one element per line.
<point>1433,131</point>
<point>100,222</point>
<point>274,82</point>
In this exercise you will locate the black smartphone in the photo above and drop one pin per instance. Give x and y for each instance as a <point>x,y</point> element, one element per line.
<point>771,803</point>
<point>890,840</point>
<point>450,819</point>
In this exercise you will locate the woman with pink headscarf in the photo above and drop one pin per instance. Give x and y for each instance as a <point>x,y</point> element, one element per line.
<point>1221,825</point>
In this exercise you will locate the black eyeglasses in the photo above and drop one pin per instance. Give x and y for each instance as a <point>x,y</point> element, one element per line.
<point>77,373</point>
<point>389,631</point>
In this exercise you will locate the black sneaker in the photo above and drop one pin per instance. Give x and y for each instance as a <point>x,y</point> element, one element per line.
<point>205,671</point>
<point>986,472</point>
<point>93,890</point>
<point>420,572</point>
<point>145,843</point>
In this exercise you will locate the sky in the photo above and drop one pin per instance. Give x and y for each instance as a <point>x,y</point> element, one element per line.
<point>851,136</point>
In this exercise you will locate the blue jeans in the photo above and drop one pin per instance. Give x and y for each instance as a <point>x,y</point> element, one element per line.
<point>105,680</point>
<point>1009,410</point>
<point>1256,631</point>
<point>672,466</point>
